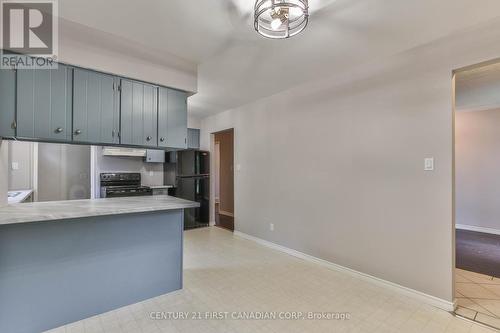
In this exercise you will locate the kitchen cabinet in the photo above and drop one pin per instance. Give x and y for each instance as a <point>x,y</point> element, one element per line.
<point>193,138</point>
<point>139,114</point>
<point>172,118</point>
<point>155,156</point>
<point>7,102</point>
<point>96,107</point>
<point>44,103</point>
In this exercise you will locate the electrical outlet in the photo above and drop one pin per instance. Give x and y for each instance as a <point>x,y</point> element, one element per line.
<point>429,164</point>
<point>15,166</point>
<point>271,226</point>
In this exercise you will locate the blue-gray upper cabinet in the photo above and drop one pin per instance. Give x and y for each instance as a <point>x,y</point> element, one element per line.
<point>172,119</point>
<point>7,102</point>
<point>139,114</point>
<point>44,103</point>
<point>96,107</point>
<point>193,138</point>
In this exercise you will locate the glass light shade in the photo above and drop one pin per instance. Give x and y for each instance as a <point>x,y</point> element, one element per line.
<point>280,19</point>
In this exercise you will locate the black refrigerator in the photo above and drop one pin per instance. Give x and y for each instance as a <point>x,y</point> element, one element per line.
<point>193,183</point>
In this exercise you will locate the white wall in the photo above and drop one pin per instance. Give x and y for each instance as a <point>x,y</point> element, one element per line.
<point>20,152</point>
<point>4,157</point>
<point>337,164</point>
<point>478,169</point>
<point>85,47</point>
<point>63,172</point>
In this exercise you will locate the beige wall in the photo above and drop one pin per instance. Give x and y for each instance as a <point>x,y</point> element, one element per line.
<point>337,164</point>
<point>4,157</point>
<point>478,168</point>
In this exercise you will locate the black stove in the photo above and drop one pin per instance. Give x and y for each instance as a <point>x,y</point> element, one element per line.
<point>115,185</point>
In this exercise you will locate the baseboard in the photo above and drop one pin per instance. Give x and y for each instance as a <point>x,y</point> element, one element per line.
<point>223,212</point>
<point>478,229</point>
<point>428,299</point>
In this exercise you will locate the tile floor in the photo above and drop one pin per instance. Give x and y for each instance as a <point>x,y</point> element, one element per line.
<point>478,297</point>
<point>227,273</point>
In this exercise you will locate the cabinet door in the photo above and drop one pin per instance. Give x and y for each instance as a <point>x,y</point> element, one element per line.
<point>139,114</point>
<point>176,119</point>
<point>44,103</point>
<point>7,102</point>
<point>95,107</point>
<point>172,119</point>
<point>193,138</point>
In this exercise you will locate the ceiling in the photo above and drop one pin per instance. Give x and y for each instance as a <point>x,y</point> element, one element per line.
<point>237,66</point>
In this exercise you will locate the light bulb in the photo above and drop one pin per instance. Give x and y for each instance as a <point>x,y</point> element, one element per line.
<point>275,24</point>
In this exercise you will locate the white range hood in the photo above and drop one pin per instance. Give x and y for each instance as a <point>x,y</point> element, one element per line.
<point>130,152</point>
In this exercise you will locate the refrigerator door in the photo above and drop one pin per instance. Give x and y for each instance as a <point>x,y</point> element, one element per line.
<point>193,163</point>
<point>195,189</point>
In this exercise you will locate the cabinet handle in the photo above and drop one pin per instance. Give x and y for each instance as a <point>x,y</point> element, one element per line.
<point>162,139</point>
<point>78,132</point>
<point>148,138</point>
<point>59,130</point>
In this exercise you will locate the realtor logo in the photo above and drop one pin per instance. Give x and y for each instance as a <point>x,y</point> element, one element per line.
<point>29,30</point>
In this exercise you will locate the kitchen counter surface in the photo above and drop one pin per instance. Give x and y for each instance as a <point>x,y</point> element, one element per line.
<point>60,210</point>
<point>160,187</point>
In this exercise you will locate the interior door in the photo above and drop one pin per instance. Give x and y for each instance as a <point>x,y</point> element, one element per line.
<point>44,103</point>
<point>95,107</point>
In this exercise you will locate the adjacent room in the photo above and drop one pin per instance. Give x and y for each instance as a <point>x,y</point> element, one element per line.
<point>477,161</point>
<point>176,166</point>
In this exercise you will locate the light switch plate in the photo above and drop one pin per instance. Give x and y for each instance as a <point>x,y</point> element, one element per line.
<point>15,166</point>
<point>429,164</point>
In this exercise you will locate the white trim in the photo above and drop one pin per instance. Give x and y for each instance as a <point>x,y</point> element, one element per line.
<point>211,223</point>
<point>428,299</point>
<point>478,229</point>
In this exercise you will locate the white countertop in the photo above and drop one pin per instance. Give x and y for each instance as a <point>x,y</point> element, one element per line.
<point>20,196</point>
<point>59,210</point>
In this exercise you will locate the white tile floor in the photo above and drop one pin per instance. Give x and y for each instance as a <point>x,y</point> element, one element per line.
<point>226,273</point>
<point>478,297</point>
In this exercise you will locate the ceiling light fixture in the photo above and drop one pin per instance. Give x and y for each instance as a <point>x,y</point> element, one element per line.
<point>280,19</point>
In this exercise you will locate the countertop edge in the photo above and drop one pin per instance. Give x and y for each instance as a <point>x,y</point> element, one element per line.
<point>33,213</point>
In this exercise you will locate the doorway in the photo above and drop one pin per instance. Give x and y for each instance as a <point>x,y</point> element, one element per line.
<point>477,193</point>
<point>224,179</point>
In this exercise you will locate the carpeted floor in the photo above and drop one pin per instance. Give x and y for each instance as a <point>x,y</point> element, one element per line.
<point>478,252</point>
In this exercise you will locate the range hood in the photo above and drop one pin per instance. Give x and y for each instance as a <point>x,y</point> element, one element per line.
<point>149,155</point>
<point>130,152</point>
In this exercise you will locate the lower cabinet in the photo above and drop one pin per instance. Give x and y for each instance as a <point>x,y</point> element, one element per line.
<point>7,102</point>
<point>139,114</point>
<point>44,103</point>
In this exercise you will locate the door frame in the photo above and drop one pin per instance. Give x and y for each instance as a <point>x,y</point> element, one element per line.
<point>454,111</point>
<point>213,178</point>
